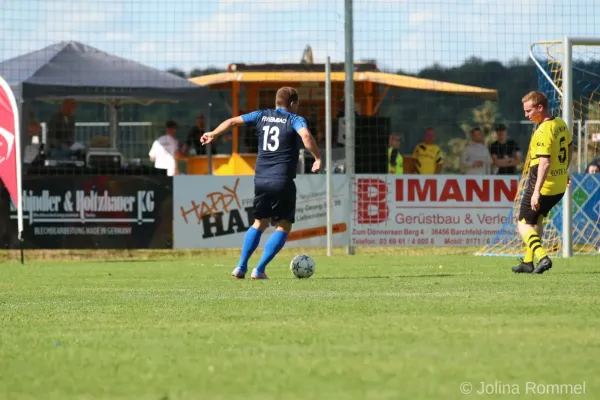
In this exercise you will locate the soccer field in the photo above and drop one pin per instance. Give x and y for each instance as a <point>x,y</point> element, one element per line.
<point>363,327</point>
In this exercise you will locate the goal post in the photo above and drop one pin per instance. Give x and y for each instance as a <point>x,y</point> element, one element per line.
<point>569,75</point>
<point>567,108</point>
<point>568,43</point>
<point>567,115</point>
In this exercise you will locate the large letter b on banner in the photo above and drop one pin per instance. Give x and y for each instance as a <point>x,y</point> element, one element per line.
<point>372,201</point>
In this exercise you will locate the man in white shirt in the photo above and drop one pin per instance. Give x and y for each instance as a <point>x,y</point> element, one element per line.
<point>165,150</point>
<point>476,159</point>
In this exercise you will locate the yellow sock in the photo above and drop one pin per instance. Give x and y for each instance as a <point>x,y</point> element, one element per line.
<point>532,240</point>
<point>528,255</point>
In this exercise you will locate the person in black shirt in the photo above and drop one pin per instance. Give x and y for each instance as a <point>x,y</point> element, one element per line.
<point>506,154</point>
<point>193,138</point>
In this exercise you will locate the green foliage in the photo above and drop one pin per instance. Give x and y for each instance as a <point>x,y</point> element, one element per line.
<point>452,158</point>
<point>177,72</point>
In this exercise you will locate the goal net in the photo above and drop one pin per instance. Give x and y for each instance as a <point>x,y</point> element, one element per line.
<point>549,58</point>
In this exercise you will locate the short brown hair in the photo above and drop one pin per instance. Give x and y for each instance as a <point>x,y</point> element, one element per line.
<point>286,96</point>
<point>536,98</point>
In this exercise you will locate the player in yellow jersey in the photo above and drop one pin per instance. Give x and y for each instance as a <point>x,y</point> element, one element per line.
<point>427,155</point>
<point>550,153</point>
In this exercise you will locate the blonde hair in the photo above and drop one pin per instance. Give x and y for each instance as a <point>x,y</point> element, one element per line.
<point>536,98</point>
<point>286,96</point>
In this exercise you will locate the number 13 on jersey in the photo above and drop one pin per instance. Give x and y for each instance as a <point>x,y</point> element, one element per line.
<point>271,138</point>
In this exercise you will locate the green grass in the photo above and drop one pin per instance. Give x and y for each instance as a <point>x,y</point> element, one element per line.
<point>364,327</point>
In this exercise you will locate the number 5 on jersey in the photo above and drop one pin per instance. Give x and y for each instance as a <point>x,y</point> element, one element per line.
<point>271,138</point>
<point>562,154</point>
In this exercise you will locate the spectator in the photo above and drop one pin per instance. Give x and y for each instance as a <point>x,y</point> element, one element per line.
<point>34,128</point>
<point>165,150</point>
<point>475,159</point>
<point>506,154</point>
<point>193,138</point>
<point>594,167</point>
<point>33,148</point>
<point>61,127</point>
<point>427,155</point>
<point>395,160</point>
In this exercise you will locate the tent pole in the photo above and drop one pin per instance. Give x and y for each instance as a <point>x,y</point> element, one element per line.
<point>113,118</point>
<point>24,140</point>
<point>235,99</point>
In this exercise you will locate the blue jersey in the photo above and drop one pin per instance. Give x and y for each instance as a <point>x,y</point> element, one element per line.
<point>278,142</point>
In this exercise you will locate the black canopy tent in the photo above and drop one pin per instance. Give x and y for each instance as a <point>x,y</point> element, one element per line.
<point>75,70</point>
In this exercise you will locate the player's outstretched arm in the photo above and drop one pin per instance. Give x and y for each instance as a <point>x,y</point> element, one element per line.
<point>222,128</point>
<point>311,145</point>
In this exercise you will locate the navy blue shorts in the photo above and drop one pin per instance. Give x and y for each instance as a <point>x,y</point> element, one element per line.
<point>275,199</point>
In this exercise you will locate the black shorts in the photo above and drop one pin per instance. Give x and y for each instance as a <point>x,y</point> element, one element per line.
<point>546,204</point>
<point>275,199</point>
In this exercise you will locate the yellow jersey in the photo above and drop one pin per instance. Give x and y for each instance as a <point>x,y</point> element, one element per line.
<point>426,158</point>
<point>551,139</point>
<point>395,162</point>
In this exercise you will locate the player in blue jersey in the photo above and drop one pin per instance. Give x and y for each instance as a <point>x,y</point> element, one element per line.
<point>280,134</point>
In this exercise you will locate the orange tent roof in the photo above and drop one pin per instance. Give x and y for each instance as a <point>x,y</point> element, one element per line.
<point>384,78</point>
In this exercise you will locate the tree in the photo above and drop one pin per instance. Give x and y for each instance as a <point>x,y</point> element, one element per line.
<point>177,72</point>
<point>208,71</point>
<point>484,117</point>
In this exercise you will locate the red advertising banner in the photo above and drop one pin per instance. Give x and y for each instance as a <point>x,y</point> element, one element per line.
<point>9,140</point>
<point>442,210</point>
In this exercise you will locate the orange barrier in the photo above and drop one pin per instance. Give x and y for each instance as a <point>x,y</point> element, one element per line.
<point>315,232</point>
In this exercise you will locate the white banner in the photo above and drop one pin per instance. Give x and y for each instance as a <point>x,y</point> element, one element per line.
<point>445,210</point>
<point>216,211</point>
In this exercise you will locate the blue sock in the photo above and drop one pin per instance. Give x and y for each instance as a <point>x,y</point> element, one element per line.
<point>251,241</point>
<point>272,247</point>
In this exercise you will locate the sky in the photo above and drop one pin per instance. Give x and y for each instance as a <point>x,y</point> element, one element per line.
<point>403,35</point>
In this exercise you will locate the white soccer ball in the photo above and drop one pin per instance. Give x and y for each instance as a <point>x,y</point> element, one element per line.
<point>302,266</point>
